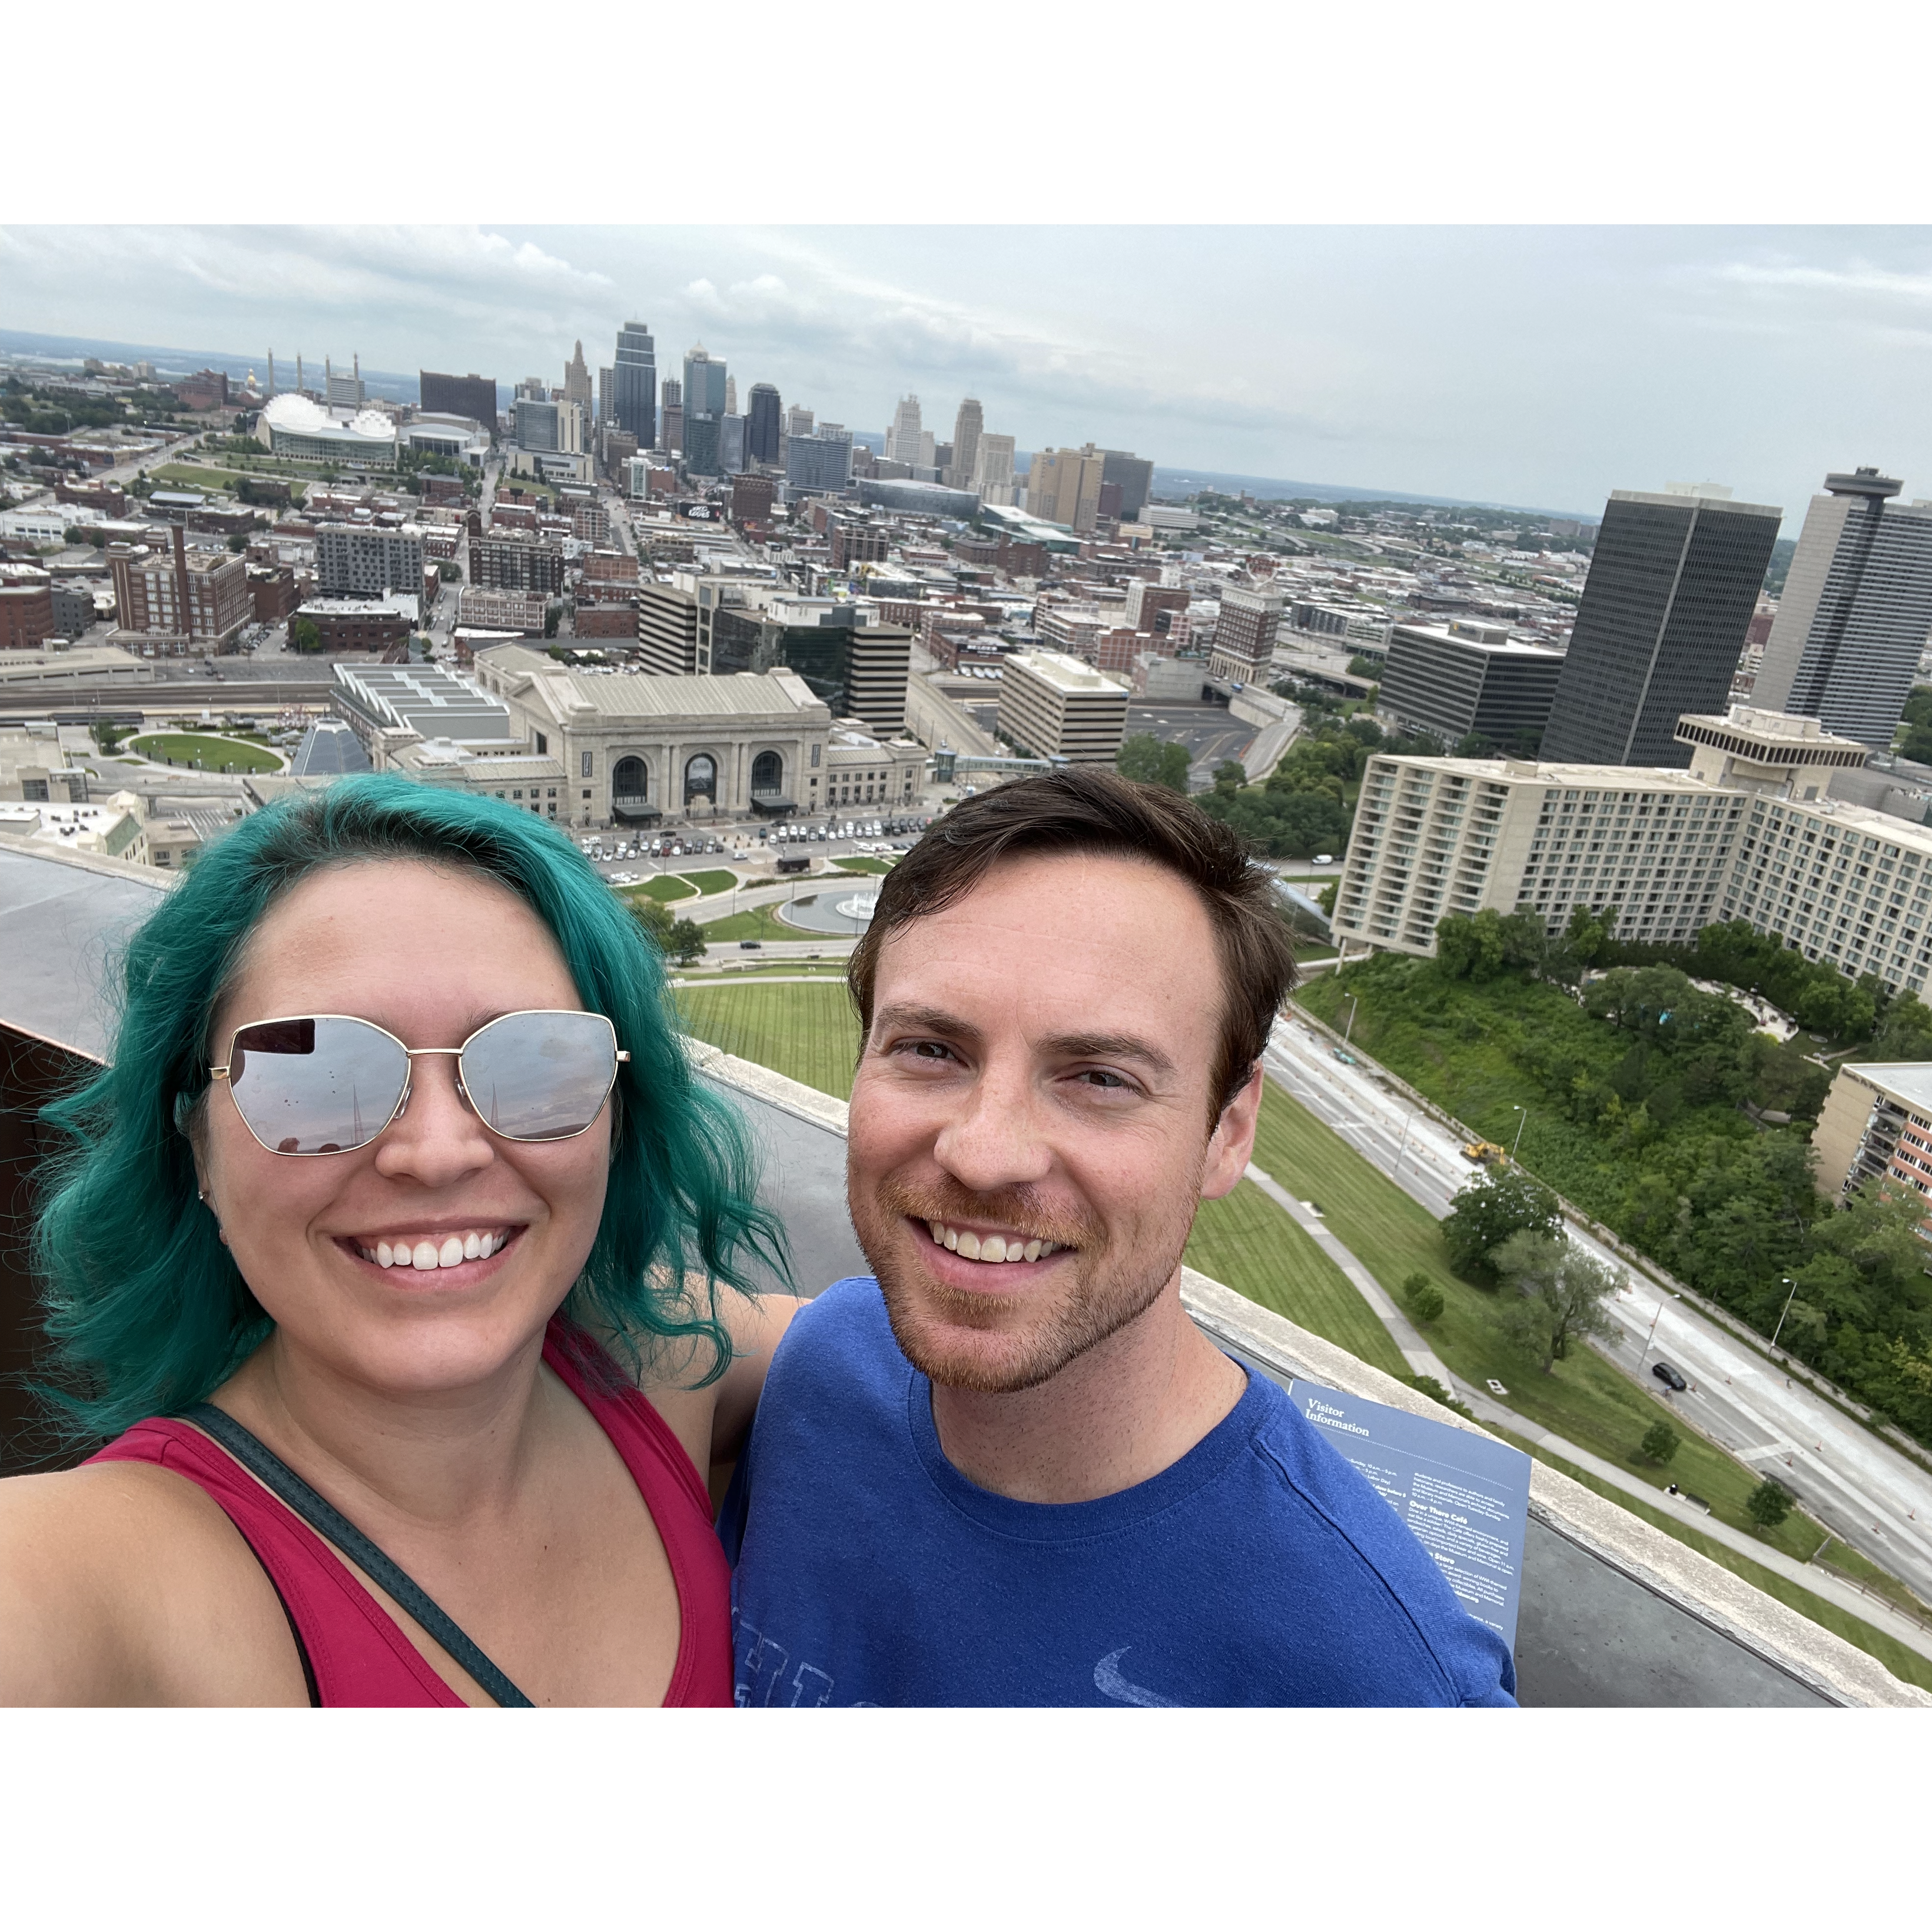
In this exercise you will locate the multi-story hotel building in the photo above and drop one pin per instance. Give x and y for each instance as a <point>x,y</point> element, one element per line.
<point>1057,707</point>
<point>1750,832</point>
<point>1876,1126</point>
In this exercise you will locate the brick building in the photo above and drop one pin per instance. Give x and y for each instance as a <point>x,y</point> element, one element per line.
<point>169,604</point>
<point>505,562</point>
<point>26,609</point>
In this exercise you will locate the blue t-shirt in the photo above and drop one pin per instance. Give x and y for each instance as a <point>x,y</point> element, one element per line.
<point>1260,1569</point>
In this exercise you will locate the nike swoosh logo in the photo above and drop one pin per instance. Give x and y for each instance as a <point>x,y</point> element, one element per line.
<point>1109,1682</point>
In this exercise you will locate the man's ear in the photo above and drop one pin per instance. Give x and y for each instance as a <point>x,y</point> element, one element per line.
<point>1232,1145</point>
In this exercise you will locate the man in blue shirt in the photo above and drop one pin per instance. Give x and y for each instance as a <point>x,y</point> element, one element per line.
<point>1010,1470</point>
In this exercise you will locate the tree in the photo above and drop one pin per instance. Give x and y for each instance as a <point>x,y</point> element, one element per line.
<point>237,543</point>
<point>1560,1291</point>
<point>450,573</point>
<point>1153,760</point>
<point>656,920</point>
<point>1424,1298</point>
<point>1769,1504</point>
<point>1660,1442</point>
<point>686,942</point>
<point>74,533</point>
<point>1488,1211</point>
<point>305,634</point>
<point>1230,774</point>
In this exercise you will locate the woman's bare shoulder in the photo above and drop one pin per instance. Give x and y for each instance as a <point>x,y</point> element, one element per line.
<point>125,1583</point>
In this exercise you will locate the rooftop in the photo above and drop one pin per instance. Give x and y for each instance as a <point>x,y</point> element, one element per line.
<point>743,694</point>
<point>1907,1081</point>
<point>1066,674</point>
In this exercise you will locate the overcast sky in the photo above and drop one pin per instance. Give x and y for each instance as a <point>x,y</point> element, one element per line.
<point>1538,366</point>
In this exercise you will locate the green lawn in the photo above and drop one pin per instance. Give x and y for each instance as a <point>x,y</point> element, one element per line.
<point>807,1032</point>
<point>667,889</point>
<point>714,880</point>
<point>211,753</point>
<point>192,476</point>
<point>861,864</point>
<point>760,922</point>
<point>1586,1399</point>
<point>1257,1248</point>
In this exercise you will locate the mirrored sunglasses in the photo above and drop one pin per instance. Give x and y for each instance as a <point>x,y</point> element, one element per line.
<point>326,1083</point>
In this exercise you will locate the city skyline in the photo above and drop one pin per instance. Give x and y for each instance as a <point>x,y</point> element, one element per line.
<point>1535,367</point>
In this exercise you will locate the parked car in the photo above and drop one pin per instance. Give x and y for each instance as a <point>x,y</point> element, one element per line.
<point>1668,1376</point>
<point>751,945</point>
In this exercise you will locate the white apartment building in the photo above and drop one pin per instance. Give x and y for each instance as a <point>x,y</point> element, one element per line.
<point>355,560</point>
<point>1058,708</point>
<point>1750,832</point>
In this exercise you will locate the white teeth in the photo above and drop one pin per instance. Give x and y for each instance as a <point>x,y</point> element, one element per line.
<point>487,1245</point>
<point>938,1231</point>
<point>473,1247</point>
<point>969,1246</point>
<point>1015,1252</point>
<point>993,1248</point>
<point>385,1255</point>
<point>952,1240</point>
<point>423,1255</point>
<point>450,1255</point>
<point>1033,1251</point>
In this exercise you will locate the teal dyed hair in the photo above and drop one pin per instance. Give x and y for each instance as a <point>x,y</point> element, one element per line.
<point>145,1309</point>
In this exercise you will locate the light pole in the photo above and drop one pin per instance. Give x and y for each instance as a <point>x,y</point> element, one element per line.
<point>1780,1329</point>
<point>1519,1126</point>
<point>1348,1030</point>
<point>1654,1320</point>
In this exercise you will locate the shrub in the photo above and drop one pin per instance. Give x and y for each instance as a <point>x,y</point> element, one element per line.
<point>1660,1442</point>
<point>1769,1504</point>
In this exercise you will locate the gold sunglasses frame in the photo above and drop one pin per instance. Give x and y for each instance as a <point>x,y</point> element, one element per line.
<point>411,1055</point>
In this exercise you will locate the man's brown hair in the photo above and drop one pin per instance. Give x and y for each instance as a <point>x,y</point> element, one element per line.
<point>1087,809</point>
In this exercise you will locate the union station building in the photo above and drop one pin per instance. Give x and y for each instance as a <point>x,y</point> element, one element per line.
<point>629,749</point>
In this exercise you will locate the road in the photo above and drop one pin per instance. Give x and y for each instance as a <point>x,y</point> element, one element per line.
<point>1872,1496</point>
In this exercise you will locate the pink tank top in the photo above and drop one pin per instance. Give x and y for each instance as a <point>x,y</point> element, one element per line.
<point>357,1651</point>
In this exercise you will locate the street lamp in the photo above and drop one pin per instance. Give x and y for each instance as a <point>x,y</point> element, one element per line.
<point>1649,1338</point>
<point>1351,1026</point>
<point>1780,1329</point>
<point>1519,1126</point>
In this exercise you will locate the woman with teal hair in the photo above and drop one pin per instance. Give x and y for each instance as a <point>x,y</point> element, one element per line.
<point>390,1250</point>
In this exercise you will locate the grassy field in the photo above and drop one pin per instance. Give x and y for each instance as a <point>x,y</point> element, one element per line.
<point>1256,1247</point>
<point>859,863</point>
<point>667,889</point>
<point>1586,1399</point>
<point>715,879</point>
<point>809,1033</point>
<point>192,476</point>
<point>760,922</point>
<point>213,753</point>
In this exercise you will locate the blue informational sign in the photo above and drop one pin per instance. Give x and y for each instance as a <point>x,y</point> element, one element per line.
<point>1465,1497</point>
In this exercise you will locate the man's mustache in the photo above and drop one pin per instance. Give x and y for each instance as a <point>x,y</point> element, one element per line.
<point>1016,1209</point>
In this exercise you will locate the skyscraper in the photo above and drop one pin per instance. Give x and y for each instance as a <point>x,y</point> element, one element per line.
<point>1673,581</point>
<point>798,420</point>
<point>967,428</point>
<point>607,397</point>
<point>703,384</point>
<point>762,424</point>
<point>673,414</point>
<point>992,476</point>
<point>731,395</point>
<point>1063,487</point>
<point>633,393</point>
<point>577,381</point>
<point>821,460</point>
<point>703,454</point>
<point>472,396</point>
<point>1134,474</point>
<point>731,443</point>
<point>902,439</point>
<point>1844,647</point>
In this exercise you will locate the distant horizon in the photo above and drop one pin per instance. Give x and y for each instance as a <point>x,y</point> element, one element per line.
<point>397,386</point>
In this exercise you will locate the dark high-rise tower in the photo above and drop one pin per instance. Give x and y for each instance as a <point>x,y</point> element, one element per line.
<point>1856,612</point>
<point>763,423</point>
<point>634,377</point>
<point>1673,581</point>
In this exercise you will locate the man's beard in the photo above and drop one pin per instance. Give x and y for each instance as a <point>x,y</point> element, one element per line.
<point>1094,1293</point>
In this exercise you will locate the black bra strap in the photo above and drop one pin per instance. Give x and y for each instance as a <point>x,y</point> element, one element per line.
<point>255,1456</point>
